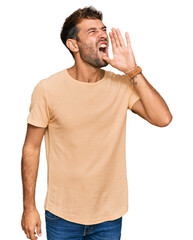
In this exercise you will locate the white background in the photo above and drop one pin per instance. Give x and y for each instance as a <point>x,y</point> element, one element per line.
<point>159,160</point>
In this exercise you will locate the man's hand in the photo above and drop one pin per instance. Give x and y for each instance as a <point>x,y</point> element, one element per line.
<point>31,220</point>
<point>123,57</point>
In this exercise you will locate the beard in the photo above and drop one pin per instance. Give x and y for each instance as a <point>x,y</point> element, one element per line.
<point>91,56</point>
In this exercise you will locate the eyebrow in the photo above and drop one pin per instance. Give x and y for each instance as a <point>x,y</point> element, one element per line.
<point>104,27</point>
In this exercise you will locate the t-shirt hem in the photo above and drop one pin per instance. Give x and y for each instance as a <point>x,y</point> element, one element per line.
<point>80,221</point>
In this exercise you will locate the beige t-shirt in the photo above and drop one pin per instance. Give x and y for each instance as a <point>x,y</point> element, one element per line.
<point>85,144</point>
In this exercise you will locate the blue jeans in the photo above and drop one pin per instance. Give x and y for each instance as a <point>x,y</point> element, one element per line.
<point>60,229</point>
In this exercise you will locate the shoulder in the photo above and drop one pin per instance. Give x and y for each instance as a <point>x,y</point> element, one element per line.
<point>53,79</point>
<point>50,83</point>
<point>120,78</point>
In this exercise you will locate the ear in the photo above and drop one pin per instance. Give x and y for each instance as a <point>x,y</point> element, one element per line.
<point>72,45</point>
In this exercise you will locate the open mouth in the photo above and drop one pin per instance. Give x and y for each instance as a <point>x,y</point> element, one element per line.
<point>103,49</point>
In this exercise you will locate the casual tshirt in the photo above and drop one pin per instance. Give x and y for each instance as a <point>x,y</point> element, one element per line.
<point>85,144</point>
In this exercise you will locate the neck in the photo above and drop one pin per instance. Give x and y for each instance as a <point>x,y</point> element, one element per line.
<point>86,73</point>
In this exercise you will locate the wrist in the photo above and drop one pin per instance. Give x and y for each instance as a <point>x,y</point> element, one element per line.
<point>130,69</point>
<point>29,206</point>
<point>134,72</point>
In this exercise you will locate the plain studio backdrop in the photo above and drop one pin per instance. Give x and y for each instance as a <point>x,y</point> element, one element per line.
<point>159,160</point>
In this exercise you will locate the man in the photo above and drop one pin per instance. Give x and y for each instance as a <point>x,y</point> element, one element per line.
<point>82,112</point>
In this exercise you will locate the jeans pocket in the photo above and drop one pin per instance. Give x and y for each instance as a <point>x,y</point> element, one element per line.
<point>51,216</point>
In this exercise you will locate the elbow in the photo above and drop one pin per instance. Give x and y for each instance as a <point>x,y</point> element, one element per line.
<point>166,121</point>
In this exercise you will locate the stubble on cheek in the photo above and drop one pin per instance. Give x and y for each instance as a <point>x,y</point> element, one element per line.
<point>88,51</point>
<point>91,55</point>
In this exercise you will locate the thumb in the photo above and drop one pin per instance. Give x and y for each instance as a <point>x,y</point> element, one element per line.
<point>107,59</point>
<point>39,232</point>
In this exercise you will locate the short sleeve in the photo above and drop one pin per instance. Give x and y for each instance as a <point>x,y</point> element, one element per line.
<point>38,110</point>
<point>132,94</point>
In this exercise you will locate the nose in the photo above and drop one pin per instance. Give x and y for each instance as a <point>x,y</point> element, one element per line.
<point>102,34</point>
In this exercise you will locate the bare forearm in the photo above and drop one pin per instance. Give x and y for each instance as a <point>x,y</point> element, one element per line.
<point>154,105</point>
<point>29,170</point>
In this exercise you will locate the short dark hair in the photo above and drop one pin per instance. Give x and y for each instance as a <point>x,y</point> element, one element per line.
<point>70,29</point>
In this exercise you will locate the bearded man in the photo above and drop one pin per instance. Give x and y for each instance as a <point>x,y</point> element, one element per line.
<point>82,112</point>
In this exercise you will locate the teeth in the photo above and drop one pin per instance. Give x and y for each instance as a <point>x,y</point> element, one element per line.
<point>103,45</point>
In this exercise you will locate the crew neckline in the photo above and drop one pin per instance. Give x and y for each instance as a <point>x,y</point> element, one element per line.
<point>85,83</point>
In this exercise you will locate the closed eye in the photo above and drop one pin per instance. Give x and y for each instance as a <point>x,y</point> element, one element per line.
<point>104,29</point>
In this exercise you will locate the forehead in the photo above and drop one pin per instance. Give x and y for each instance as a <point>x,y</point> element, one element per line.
<point>85,24</point>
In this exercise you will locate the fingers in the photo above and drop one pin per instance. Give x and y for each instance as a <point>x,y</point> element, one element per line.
<point>39,232</point>
<point>30,232</point>
<point>31,235</point>
<point>30,222</point>
<point>121,40</point>
<point>118,39</point>
<point>107,59</point>
<point>128,40</point>
<point>115,36</point>
<point>112,40</point>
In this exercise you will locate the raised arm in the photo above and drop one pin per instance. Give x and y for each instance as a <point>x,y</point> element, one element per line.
<point>151,106</point>
<point>29,169</point>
